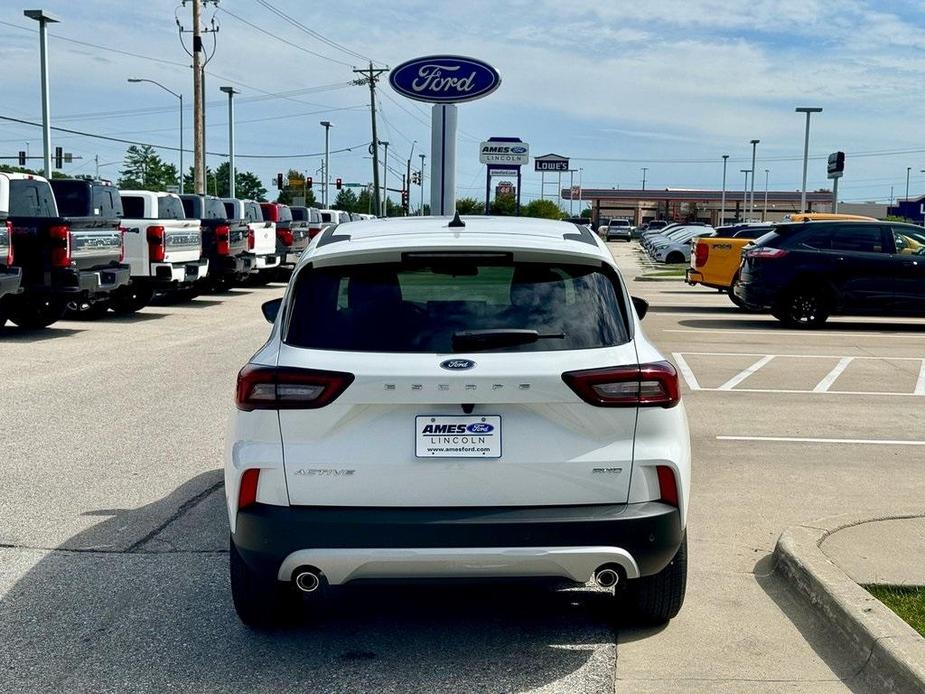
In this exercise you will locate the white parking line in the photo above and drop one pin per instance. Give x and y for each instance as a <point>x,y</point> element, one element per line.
<point>742,375</point>
<point>920,386</point>
<point>686,372</point>
<point>817,333</point>
<point>800,439</point>
<point>796,356</point>
<point>826,383</point>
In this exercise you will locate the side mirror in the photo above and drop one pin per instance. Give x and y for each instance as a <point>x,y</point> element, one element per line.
<point>641,306</point>
<point>271,309</point>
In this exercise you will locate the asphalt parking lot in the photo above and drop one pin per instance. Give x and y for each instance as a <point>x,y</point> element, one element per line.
<point>113,538</point>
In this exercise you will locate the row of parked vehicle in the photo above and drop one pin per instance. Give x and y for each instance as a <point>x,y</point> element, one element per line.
<point>82,247</point>
<point>813,266</point>
<point>672,243</point>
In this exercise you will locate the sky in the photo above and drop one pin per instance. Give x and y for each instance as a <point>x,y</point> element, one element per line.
<point>670,85</point>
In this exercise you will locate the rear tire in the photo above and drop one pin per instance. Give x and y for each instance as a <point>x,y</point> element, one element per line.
<point>802,307</point>
<point>674,258</point>
<point>659,597</point>
<point>260,603</point>
<point>130,300</point>
<point>34,313</point>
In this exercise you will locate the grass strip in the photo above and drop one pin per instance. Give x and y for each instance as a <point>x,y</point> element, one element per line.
<point>906,601</point>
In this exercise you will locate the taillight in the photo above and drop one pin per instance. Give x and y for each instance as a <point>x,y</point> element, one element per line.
<point>667,485</point>
<point>765,252</point>
<point>9,239</point>
<point>285,236</point>
<point>60,236</point>
<point>313,232</point>
<point>157,250</point>
<point>701,253</point>
<point>646,385</point>
<point>223,240</point>
<point>268,388</point>
<point>250,239</point>
<point>247,494</point>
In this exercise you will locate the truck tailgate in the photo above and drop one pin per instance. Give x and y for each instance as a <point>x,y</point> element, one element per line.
<point>183,240</point>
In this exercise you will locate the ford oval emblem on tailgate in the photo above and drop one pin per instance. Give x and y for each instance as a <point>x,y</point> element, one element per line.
<point>457,364</point>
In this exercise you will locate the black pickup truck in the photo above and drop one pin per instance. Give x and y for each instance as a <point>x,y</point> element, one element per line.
<point>67,241</point>
<point>224,241</point>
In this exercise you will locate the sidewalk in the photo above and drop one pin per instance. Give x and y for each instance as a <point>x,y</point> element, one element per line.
<point>885,552</point>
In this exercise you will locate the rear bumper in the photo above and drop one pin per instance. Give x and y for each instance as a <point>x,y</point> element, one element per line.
<point>179,273</point>
<point>265,262</point>
<point>10,279</point>
<point>754,296</point>
<point>692,276</point>
<point>560,541</point>
<point>93,282</point>
<point>235,265</point>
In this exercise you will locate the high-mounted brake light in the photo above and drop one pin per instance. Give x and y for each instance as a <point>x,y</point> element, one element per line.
<point>60,236</point>
<point>285,236</point>
<point>282,388</point>
<point>157,250</point>
<point>223,240</point>
<point>8,260</point>
<point>646,385</point>
<point>667,485</point>
<point>701,254</point>
<point>766,252</point>
<point>247,494</point>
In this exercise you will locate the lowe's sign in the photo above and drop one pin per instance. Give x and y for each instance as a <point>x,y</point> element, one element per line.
<point>511,153</point>
<point>444,79</point>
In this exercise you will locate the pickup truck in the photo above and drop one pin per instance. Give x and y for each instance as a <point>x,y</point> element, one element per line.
<point>291,235</point>
<point>10,275</point>
<point>715,261</point>
<point>224,240</point>
<point>67,242</point>
<point>261,238</point>
<point>310,216</point>
<point>162,247</point>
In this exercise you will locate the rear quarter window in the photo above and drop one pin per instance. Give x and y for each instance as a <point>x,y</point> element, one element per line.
<point>420,307</point>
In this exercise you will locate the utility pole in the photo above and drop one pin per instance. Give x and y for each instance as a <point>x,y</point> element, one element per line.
<point>644,170</point>
<point>421,212</point>
<point>722,204</point>
<point>744,194</point>
<point>384,212</point>
<point>44,19</point>
<point>96,160</point>
<point>230,91</point>
<point>327,154</point>
<point>908,171</point>
<point>764,217</point>
<point>370,77</point>
<point>751,204</point>
<point>808,110</point>
<point>199,118</point>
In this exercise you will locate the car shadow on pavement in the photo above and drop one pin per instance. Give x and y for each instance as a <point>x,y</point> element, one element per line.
<point>130,318</point>
<point>141,602</point>
<point>821,637</point>
<point>14,334</point>
<point>663,308</point>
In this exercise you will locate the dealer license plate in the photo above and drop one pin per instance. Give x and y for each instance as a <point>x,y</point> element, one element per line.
<point>457,436</point>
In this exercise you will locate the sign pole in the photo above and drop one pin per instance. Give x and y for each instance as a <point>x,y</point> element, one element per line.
<point>488,190</point>
<point>542,185</point>
<point>835,195</point>
<point>443,158</point>
<point>517,210</point>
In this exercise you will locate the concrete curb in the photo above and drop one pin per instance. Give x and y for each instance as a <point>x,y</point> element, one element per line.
<point>893,653</point>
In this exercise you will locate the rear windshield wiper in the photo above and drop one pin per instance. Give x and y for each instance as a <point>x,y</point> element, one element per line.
<point>474,340</point>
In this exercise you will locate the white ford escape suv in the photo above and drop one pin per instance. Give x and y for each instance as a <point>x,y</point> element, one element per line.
<point>457,398</point>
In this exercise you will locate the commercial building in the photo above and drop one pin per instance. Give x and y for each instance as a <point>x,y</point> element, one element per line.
<point>913,209</point>
<point>677,204</point>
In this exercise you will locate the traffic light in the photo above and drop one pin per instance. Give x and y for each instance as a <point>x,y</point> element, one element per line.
<point>59,157</point>
<point>22,157</point>
<point>338,183</point>
<point>308,181</point>
<point>404,200</point>
<point>279,181</point>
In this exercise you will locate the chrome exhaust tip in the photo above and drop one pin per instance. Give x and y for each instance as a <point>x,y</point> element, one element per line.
<point>606,577</point>
<point>307,581</point>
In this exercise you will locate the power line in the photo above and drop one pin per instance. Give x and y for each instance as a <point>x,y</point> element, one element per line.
<point>177,149</point>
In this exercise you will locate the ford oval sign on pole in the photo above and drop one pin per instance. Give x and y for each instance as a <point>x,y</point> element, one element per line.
<point>444,81</point>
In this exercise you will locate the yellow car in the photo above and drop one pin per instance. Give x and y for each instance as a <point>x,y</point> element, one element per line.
<point>826,217</point>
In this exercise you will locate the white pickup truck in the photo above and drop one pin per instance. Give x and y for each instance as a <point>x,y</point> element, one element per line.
<point>162,247</point>
<point>261,238</point>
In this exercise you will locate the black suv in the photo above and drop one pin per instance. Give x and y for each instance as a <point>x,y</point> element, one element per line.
<point>805,272</point>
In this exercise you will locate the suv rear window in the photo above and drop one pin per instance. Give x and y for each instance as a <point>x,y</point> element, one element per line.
<point>420,306</point>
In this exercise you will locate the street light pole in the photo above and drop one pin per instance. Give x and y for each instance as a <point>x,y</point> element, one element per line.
<point>808,110</point>
<point>908,170</point>
<point>422,185</point>
<point>44,19</point>
<point>764,217</point>
<point>751,203</point>
<point>722,204</point>
<point>136,80</point>
<point>385,174</point>
<point>644,170</point>
<point>327,153</point>
<point>744,194</point>
<point>230,91</point>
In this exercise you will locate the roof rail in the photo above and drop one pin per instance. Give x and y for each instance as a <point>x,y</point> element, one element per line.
<point>330,237</point>
<point>583,235</point>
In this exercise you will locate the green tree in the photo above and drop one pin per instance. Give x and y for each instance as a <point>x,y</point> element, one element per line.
<point>470,206</point>
<point>145,170</point>
<point>289,192</point>
<point>364,204</point>
<point>247,184</point>
<point>586,213</point>
<point>504,205</point>
<point>346,200</point>
<point>544,209</point>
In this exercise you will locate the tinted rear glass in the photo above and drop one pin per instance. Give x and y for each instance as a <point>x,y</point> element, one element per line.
<point>325,216</point>
<point>299,214</point>
<point>252,212</point>
<point>285,214</point>
<point>419,307</point>
<point>229,210</point>
<point>216,210</point>
<point>168,207</point>
<point>73,198</point>
<point>133,206</point>
<point>31,198</point>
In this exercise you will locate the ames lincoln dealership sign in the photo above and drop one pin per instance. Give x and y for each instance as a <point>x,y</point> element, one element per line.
<point>512,153</point>
<point>444,79</point>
